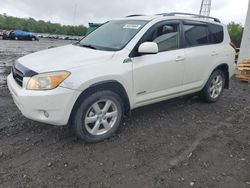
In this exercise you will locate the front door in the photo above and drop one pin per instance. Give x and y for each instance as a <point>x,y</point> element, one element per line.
<point>159,75</point>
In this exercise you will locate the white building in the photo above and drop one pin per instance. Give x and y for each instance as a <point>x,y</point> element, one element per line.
<point>245,44</point>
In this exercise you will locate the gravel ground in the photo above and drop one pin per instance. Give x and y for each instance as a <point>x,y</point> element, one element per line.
<point>177,143</point>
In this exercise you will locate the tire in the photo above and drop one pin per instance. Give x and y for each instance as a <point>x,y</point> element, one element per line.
<point>98,116</point>
<point>214,87</point>
<point>16,38</point>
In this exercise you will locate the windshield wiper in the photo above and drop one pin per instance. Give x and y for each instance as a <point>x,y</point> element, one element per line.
<point>95,47</point>
<point>88,46</point>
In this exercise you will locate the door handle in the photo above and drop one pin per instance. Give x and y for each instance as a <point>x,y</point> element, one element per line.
<point>180,58</point>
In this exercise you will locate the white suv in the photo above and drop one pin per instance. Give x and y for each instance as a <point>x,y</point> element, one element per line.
<point>124,64</point>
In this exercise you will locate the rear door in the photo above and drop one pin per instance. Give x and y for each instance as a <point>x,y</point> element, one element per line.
<point>199,53</point>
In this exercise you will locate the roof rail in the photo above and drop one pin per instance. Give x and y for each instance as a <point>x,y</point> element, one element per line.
<point>189,14</point>
<point>134,15</point>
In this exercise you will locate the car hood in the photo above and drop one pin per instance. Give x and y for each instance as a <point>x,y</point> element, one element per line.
<point>63,58</point>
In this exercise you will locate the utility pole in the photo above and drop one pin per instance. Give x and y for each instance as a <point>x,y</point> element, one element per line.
<point>74,16</point>
<point>205,8</point>
<point>245,44</point>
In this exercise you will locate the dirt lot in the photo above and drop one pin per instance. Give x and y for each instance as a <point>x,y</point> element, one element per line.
<point>177,143</point>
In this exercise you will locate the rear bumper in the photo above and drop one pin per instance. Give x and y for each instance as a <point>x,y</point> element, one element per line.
<point>52,107</point>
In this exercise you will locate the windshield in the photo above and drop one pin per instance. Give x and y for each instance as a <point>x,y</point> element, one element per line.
<point>113,35</point>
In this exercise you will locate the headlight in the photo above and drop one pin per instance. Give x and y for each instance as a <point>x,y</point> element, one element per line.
<point>47,81</point>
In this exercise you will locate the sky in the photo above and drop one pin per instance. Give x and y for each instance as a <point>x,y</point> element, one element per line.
<point>80,12</point>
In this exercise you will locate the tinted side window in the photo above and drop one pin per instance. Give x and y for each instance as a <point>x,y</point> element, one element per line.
<point>217,33</point>
<point>166,36</point>
<point>196,35</point>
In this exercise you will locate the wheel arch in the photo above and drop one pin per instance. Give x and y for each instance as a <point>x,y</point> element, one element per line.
<point>224,68</point>
<point>111,85</point>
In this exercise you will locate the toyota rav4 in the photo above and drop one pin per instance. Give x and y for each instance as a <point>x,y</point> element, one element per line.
<point>124,64</point>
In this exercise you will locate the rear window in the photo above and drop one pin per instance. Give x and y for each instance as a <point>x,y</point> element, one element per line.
<point>196,35</point>
<point>217,33</point>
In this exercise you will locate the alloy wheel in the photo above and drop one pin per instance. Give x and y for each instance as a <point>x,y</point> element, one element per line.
<point>216,87</point>
<point>101,117</point>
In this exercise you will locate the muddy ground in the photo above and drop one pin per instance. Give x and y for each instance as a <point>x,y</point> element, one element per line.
<point>178,143</point>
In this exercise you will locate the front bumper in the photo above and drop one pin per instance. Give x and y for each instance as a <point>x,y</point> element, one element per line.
<point>52,106</point>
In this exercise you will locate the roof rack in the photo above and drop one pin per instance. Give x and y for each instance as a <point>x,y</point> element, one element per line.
<point>189,14</point>
<point>134,15</point>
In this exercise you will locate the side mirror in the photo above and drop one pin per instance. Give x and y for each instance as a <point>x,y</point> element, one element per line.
<point>148,48</point>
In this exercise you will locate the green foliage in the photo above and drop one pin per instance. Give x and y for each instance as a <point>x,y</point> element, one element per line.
<point>31,25</point>
<point>235,32</point>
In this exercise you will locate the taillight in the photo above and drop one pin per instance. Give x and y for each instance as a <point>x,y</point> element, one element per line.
<point>233,45</point>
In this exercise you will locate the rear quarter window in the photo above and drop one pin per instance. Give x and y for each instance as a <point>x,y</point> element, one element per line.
<point>217,33</point>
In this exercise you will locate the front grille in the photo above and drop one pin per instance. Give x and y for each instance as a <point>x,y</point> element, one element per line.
<point>17,75</point>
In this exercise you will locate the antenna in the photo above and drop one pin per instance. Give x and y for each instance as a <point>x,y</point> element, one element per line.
<point>205,8</point>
